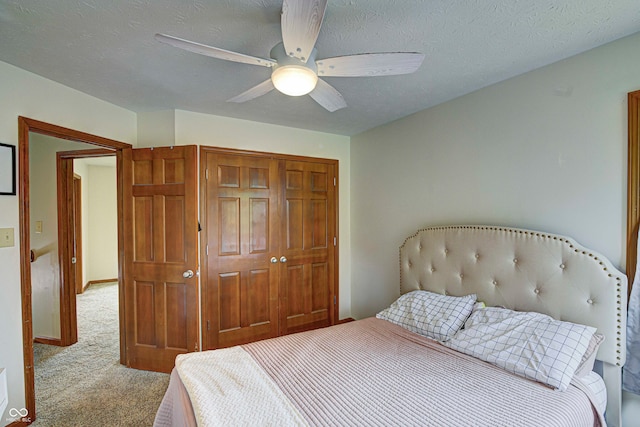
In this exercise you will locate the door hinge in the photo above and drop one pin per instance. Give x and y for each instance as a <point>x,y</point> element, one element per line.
<point>206,250</point>
<point>335,241</point>
<point>334,181</point>
<point>73,260</point>
<point>206,174</point>
<point>196,346</point>
<point>335,300</point>
<point>208,325</point>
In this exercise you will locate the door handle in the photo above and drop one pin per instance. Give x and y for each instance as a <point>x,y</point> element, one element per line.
<point>283,259</point>
<point>274,260</point>
<point>188,274</point>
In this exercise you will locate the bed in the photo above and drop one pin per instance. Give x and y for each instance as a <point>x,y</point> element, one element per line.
<point>378,372</point>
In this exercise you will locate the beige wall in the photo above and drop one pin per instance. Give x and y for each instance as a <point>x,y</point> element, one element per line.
<point>29,95</point>
<point>102,256</point>
<point>545,150</point>
<point>99,218</point>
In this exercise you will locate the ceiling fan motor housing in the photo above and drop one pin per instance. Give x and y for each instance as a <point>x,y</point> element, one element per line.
<point>292,76</point>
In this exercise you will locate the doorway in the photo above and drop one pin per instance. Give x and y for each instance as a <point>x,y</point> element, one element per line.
<point>27,126</point>
<point>73,254</point>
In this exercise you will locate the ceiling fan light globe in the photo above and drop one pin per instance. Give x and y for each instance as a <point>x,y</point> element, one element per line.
<point>294,80</point>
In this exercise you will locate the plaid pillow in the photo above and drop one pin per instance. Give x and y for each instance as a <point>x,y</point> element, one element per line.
<point>599,390</point>
<point>429,314</point>
<point>532,345</point>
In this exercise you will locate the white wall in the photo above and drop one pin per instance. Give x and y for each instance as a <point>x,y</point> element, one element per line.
<point>29,95</point>
<point>102,242</point>
<point>545,150</point>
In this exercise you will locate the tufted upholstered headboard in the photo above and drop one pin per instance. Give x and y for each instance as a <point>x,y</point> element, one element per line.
<point>526,270</point>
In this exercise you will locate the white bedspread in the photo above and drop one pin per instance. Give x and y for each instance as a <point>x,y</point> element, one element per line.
<point>219,383</point>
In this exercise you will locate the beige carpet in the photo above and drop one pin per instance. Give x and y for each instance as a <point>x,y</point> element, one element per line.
<point>84,384</point>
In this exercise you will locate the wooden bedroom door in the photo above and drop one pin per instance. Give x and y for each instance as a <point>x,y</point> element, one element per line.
<point>308,244</point>
<point>240,221</point>
<point>160,261</point>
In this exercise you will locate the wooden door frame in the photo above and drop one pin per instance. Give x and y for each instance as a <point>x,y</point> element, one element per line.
<point>335,313</point>
<point>633,184</point>
<point>77,233</point>
<point>25,126</point>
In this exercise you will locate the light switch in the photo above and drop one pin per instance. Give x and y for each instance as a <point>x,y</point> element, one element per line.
<point>6,237</point>
<point>38,226</point>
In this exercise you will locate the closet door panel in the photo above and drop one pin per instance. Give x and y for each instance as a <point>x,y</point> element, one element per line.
<point>240,290</point>
<point>308,222</point>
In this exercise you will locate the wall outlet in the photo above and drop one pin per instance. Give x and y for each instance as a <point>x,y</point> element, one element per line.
<point>6,238</point>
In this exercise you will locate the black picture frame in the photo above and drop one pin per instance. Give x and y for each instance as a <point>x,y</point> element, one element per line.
<point>7,170</point>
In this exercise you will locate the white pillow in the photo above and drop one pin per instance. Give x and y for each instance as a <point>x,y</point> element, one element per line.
<point>532,345</point>
<point>589,356</point>
<point>426,313</point>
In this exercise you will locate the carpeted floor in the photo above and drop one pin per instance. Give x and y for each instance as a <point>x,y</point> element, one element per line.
<point>84,384</point>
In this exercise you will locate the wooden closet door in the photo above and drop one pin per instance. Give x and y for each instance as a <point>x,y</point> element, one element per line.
<point>308,224</point>
<point>240,291</point>
<point>160,210</point>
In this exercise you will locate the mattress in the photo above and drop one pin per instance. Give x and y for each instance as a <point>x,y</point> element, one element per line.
<point>368,372</point>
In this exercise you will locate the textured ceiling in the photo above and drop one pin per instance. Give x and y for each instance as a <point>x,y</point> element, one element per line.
<point>106,48</point>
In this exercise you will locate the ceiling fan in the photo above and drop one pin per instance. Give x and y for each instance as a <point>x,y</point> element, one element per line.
<point>295,69</point>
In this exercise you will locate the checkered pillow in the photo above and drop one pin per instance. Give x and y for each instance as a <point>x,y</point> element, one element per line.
<point>532,345</point>
<point>426,313</point>
<point>598,388</point>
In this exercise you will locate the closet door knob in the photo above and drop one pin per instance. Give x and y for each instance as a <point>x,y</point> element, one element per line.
<point>187,274</point>
<point>274,260</point>
<point>283,259</point>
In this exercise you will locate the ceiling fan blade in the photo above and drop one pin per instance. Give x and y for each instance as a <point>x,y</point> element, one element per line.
<point>256,91</point>
<point>327,96</point>
<point>214,52</point>
<point>301,21</point>
<point>370,64</point>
